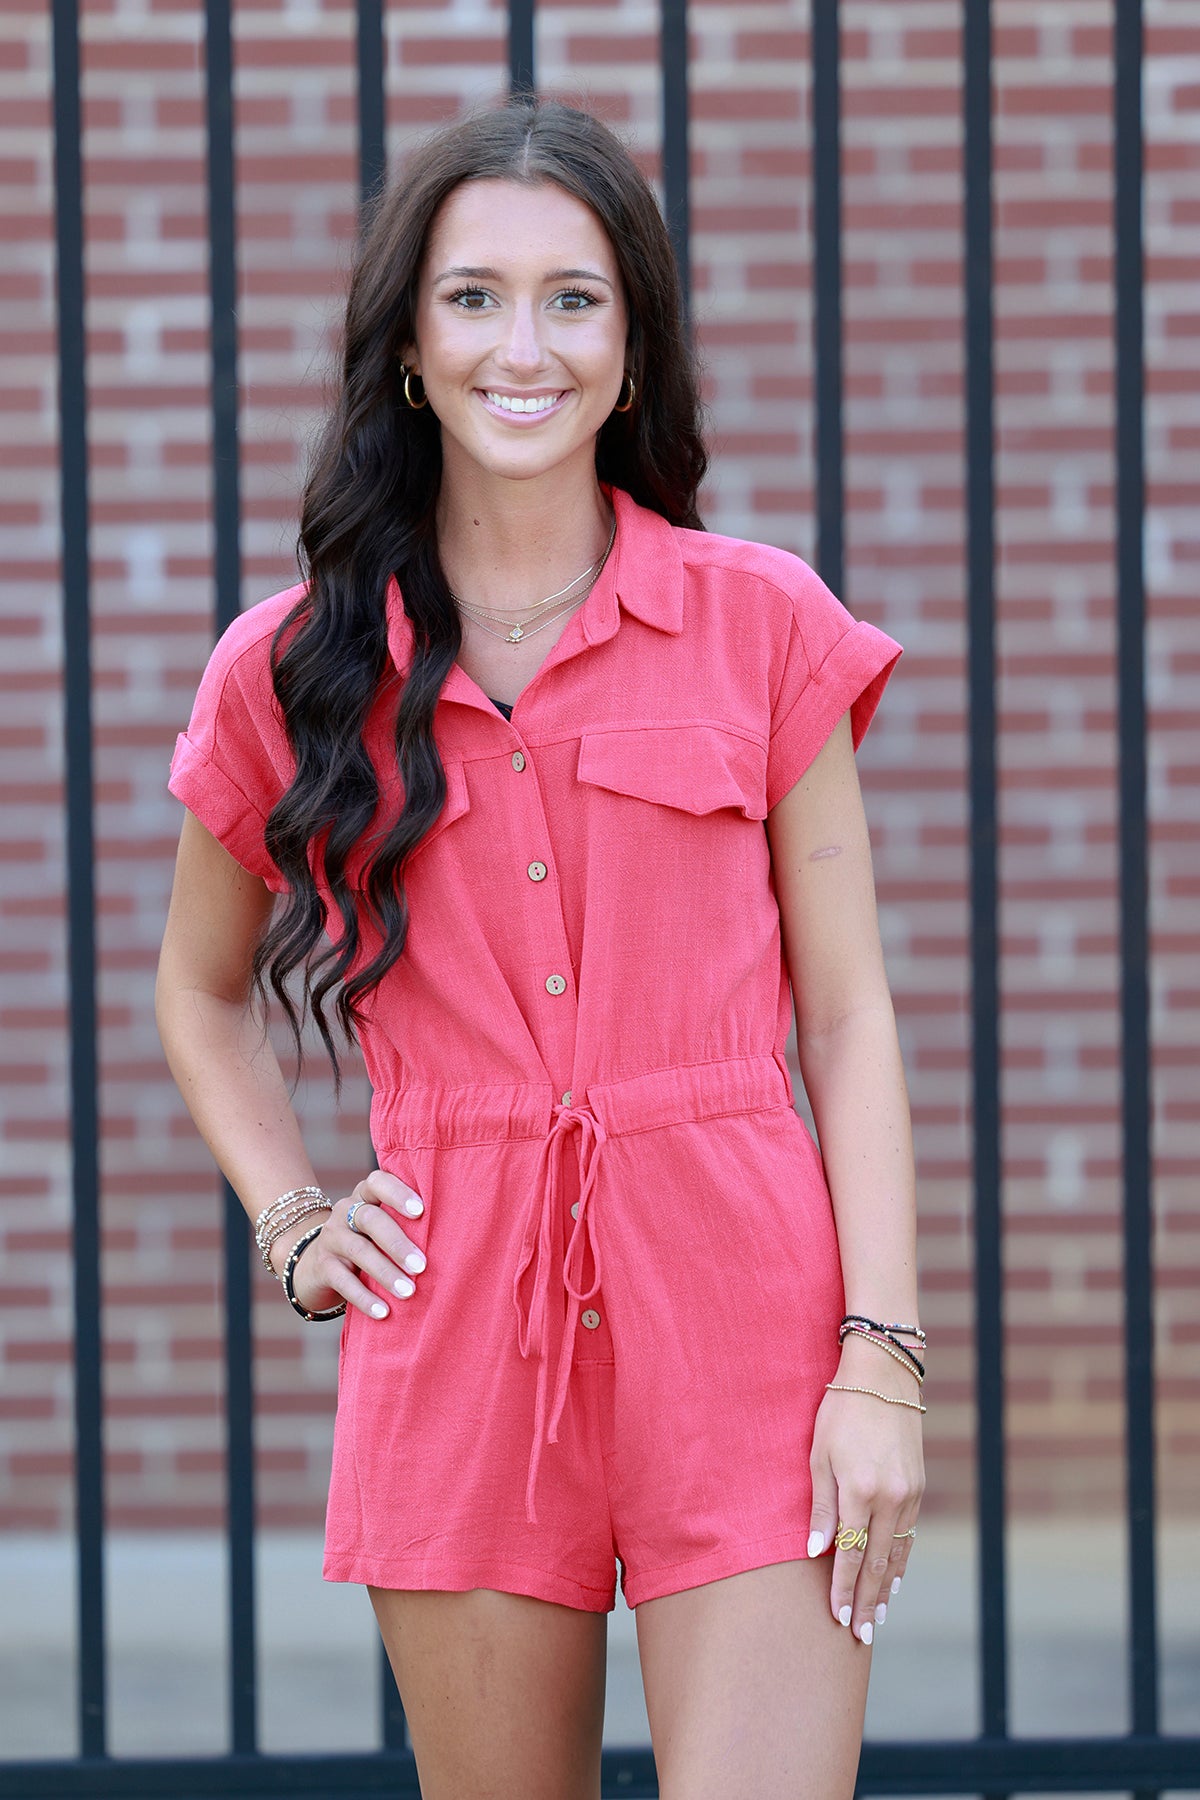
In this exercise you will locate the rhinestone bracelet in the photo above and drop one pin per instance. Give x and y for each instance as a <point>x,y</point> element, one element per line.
<point>289,1269</point>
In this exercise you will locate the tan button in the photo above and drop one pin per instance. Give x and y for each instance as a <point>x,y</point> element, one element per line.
<point>555,984</point>
<point>536,871</point>
<point>575,1209</point>
<point>566,1099</point>
<point>591,1318</point>
<point>518,761</point>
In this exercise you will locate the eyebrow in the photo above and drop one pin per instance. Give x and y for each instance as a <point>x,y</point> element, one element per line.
<point>469,274</point>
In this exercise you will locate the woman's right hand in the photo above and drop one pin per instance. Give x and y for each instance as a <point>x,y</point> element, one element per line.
<point>331,1268</point>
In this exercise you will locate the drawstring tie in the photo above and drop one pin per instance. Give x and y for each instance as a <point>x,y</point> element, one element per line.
<point>546,1328</point>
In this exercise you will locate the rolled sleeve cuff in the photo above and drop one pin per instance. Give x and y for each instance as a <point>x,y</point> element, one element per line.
<point>852,676</point>
<point>222,808</point>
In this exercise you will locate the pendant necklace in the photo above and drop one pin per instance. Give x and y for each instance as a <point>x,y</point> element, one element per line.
<point>537,618</point>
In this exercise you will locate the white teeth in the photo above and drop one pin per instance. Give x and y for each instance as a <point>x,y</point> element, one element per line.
<point>513,403</point>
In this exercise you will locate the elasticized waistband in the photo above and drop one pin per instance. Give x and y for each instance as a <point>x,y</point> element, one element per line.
<point>427,1116</point>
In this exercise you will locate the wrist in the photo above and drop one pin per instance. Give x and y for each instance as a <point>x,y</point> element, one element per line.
<point>281,1246</point>
<point>861,1360</point>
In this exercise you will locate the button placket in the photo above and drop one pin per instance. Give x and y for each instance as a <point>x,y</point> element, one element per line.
<point>545,932</point>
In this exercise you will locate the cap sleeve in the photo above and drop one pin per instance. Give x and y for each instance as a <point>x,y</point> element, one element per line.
<point>233,762</point>
<point>834,663</point>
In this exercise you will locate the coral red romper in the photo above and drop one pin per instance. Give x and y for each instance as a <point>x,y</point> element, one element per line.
<point>631,1302</point>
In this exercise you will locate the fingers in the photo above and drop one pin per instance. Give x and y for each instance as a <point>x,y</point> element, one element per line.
<point>870,1557</point>
<point>373,1247</point>
<point>822,1521</point>
<point>902,1543</point>
<point>851,1542</point>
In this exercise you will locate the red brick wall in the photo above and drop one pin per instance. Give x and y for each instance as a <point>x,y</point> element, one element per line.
<point>151,552</point>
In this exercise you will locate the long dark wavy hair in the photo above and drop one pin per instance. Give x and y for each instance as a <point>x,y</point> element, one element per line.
<point>368,513</point>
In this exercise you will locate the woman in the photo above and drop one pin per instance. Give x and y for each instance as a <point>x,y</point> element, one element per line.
<point>511,747</point>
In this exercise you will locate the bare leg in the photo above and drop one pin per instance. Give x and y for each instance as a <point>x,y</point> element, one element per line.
<point>504,1695</point>
<point>754,1692</point>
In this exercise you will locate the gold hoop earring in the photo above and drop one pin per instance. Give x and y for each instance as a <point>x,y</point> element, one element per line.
<point>408,399</point>
<point>627,405</point>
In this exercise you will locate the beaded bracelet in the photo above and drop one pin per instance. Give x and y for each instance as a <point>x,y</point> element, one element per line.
<point>909,1363</point>
<point>913,1331</point>
<point>907,1358</point>
<point>841,1387</point>
<point>289,1269</point>
<point>872,1328</point>
<point>287,1204</point>
<point>300,1193</point>
<point>268,1238</point>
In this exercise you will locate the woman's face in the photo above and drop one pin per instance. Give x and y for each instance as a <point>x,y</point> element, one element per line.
<point>521,329</point>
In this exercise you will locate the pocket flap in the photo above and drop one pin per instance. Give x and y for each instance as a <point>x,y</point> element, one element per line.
<point>457,802</point>
<point>695,768</point>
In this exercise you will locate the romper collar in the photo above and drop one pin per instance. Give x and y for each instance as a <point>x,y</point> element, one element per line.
<point>644,579</point>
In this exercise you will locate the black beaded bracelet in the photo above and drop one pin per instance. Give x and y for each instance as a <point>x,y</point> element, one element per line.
<point>289,1269</point>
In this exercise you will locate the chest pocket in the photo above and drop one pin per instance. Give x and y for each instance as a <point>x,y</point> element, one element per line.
<point>694,768</point>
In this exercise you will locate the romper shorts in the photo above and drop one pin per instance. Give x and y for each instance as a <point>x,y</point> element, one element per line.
<point>617,1350</point>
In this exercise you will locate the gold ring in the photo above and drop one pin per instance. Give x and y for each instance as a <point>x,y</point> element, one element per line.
<point>910,1533</point>
<point>850,1537</point>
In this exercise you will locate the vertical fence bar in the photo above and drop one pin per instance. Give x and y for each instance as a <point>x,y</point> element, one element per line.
<point>522,72</point>
<point>985,996</point>
<point>676,154</point>
<point>827,290</point>
<point>371,42</point>
<point>1131,716</point>
<point>80,853</point>
<point>371,46</point>
<point>239,1341</point>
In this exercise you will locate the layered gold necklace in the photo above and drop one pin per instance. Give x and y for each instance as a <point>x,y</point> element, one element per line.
<point>543,613</point>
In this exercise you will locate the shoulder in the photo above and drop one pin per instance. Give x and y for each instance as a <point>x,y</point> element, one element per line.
<point>244,647</point>
<point>236,697</point>
<point>744,568</point>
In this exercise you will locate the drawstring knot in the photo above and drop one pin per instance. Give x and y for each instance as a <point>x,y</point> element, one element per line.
<point>548,1313</point>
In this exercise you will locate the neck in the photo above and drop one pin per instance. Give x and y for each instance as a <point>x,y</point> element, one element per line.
<point>509,544</point>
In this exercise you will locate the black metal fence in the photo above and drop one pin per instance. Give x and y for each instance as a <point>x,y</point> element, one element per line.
<point>1144,1762</point>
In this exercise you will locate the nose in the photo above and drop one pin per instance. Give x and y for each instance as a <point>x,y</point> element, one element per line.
<point>521,349</point>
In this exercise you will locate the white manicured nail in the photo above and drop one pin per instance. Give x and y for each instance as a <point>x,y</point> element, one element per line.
<point>844,1616</point>
<point>379,1310</point>
<point>414,1207</point>
<point>867,1633</point>
<point>896,1585</point>
<point>403,1286</point>
<point>816,1542</point>
<point>880,1613</point>
<point>414,1262</point>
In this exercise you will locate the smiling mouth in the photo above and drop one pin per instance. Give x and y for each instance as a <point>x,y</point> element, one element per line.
<point>522,405</point>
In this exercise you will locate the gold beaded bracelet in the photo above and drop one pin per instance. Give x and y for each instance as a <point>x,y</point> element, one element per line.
<point>909,1363</point>
<point>839,1387</point>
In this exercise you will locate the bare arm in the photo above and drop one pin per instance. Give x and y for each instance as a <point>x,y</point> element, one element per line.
<point>867,1463</point>
<point>228,1074</point>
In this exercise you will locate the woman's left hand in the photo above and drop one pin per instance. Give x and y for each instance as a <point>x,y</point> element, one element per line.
<point>867,1472</point>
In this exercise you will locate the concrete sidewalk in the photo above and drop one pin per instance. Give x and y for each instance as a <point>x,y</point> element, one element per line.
<point>319,1659</point>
